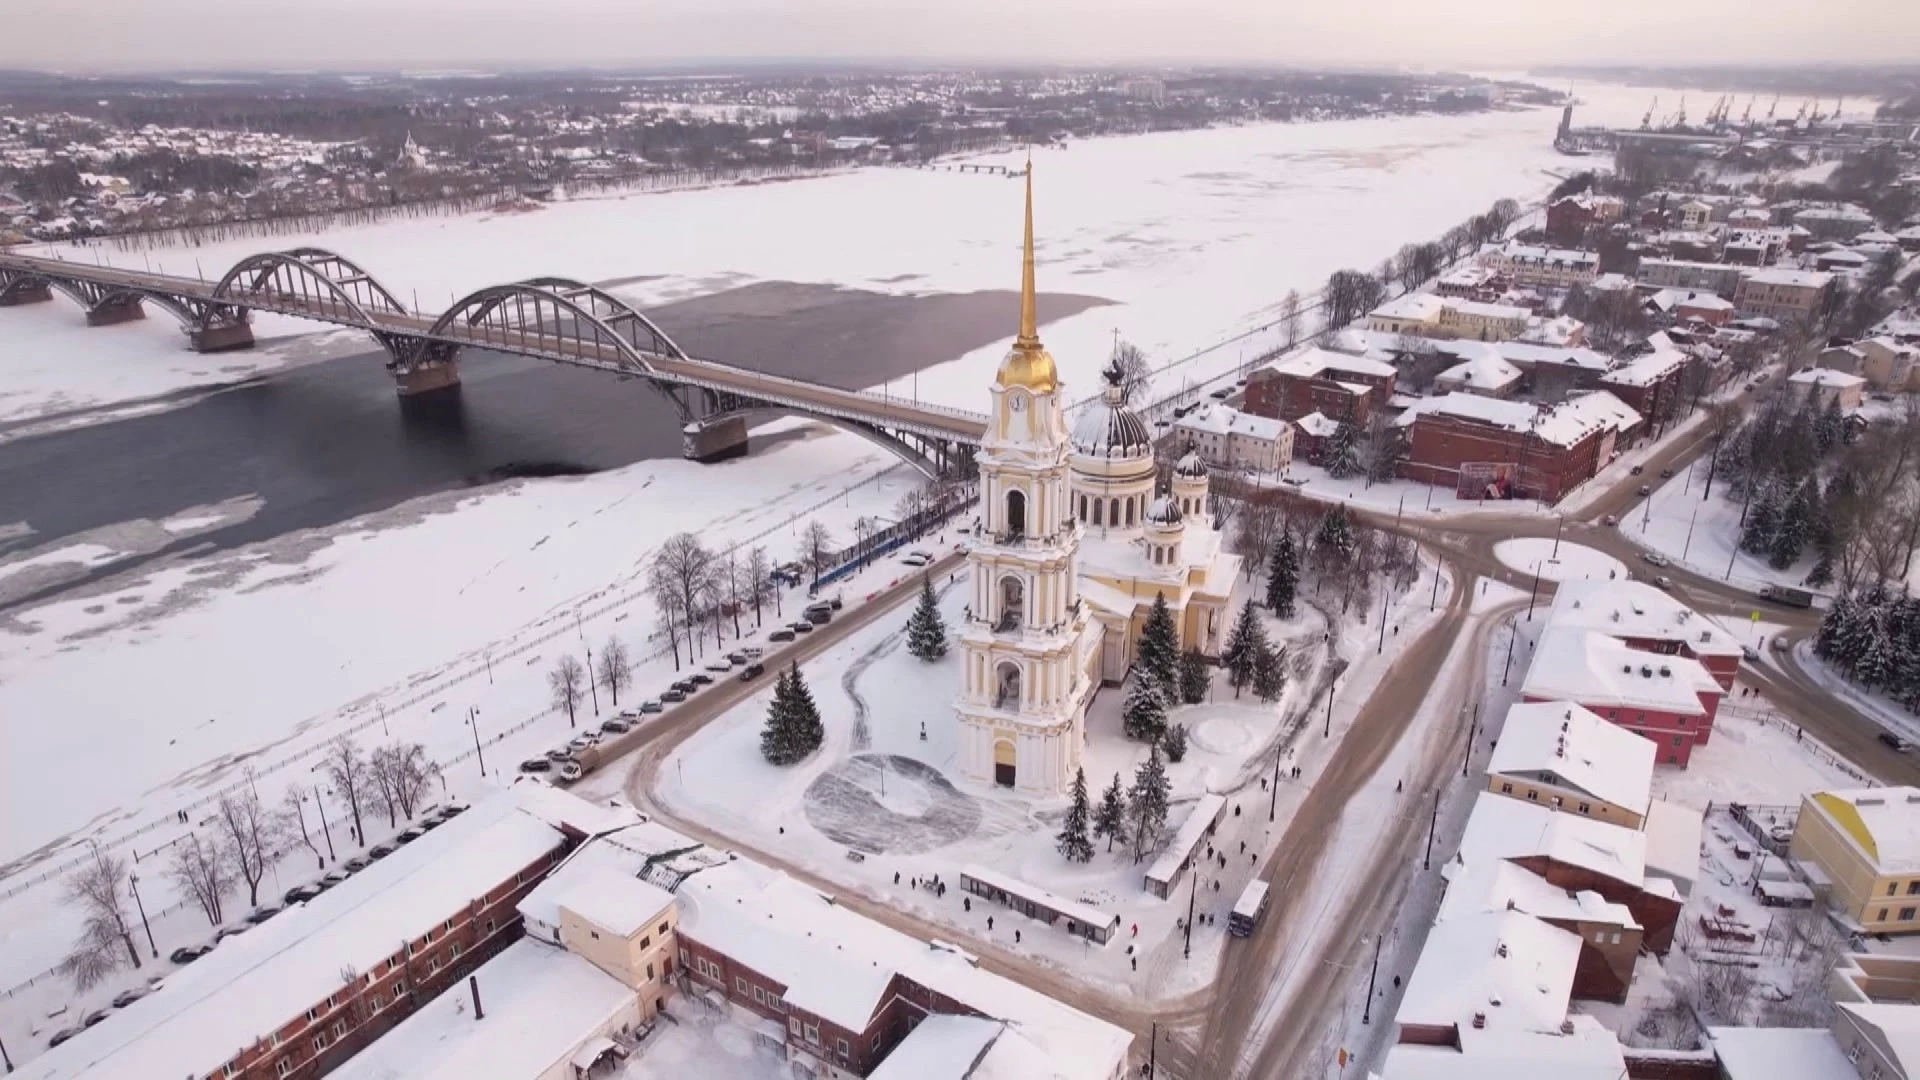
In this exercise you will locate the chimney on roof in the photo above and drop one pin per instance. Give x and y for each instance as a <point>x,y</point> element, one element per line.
<point>1666,672</point>
<point>1479,1021</point>
<point>1646,671</point>
<point>1510,904</point>
<point>1502,951</point>
<point>1566,1026</point>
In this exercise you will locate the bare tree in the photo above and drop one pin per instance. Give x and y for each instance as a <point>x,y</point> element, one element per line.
<point>1260,526</point>
<point>616,668</point>
<point>401,774</point>
<point>1456,240</point>
<point>568,682</point>
<point>684,569</point>
<point>760,573</point>
<point>666,598</point>
<point>1348,295</point>
<point>296,812</point>
<point>197,870</point>
<point>1135,373</point>
<point>248,831</point>
<point>106,937</point>
<point>735,580</point>
<point>816,547</point>
<point>1290,315</point>
<point>347,768</point>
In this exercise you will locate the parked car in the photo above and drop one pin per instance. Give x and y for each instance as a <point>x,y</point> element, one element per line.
<point>916,560</point>
<point>127,997</point>
<point>752,652</point>
<point>802,627</point>
<point>1637,469</point>
<point>582,742</point>
<point>816,617</point>
<point>1610,519</point>
<point>738,656</point>
<point>356,864</point>
<point>230,931</point>
<point>571,771</point>
<point>1666,473</point>
<point>1749,653</point>
<point>700,678</point>
<point>1645,491</point>
<point>1894,741</point>
<point>785,633</point>
<point>262,914</point>
<point>673,697</point>
<point>1221,394</point>
<point>615,726</point>
<point>833,602</point>
<point>719,664</point>
<point>61,1036</point>
<point>537,765</point>
<point>379,851</point>
<point>649,707</point>
<point>629,715</point>
<point>300,893</point>
<point>408,836</point>
<point>187,954</point>
<point>752,672</point>
<point>95,1017</point>
<point>430,822</point>
<point>1654,558</point>
<point>559,754</point>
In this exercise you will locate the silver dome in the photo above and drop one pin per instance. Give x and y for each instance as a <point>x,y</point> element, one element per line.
<point>1163,511</point>
<point>1190,465</point>
<point>1107,428</point>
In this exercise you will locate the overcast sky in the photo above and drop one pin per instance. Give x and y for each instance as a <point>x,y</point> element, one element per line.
<point>145,35</point>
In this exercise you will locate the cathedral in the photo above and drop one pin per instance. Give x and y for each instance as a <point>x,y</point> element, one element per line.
<point>1077,537</point>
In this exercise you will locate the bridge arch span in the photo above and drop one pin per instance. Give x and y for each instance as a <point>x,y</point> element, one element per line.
<point>331,283</point>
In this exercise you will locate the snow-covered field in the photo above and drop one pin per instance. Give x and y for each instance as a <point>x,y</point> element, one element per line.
<point>1701,531</point>
<point>1558,561</point>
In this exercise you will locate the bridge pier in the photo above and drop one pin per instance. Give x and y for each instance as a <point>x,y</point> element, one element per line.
<point>221,338</point>
<point>718,439</point>
<point>111,312</point>
<point>25,294</point>
<point>428,378</point>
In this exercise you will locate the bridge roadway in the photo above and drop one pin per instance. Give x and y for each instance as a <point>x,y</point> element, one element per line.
<point>562,321</point>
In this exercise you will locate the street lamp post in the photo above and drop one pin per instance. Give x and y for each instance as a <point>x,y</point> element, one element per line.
<point>474,723</point>
<point>1513,634</point>
<point>1432,827</point>
<point>1330,684</point>
<point>133,882</point>
<point>1273,808</point>
<point>1472,730</point>
<point>1535,594</point>
<point>321,804</point>
<point>1366,1012</point>
<point>1186,950</point>
<point>1559,522</point>
<point>594,689</point>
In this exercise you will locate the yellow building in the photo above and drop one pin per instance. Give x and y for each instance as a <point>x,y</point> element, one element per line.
<point>1565,758</point>
<point>1863,846</point>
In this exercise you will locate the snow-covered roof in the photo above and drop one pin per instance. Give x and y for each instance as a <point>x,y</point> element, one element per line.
<point>1779,1054</point>
<point>1529,253</point>
<point>1602,672</point>
<point>1485,368</point>
<point>251,985</point>
<point>1819,376</point>
<point>941,1047</point>
<point>836,963</point>
<point>1510,415</point>
<point>1315,362</point>
<point>1420,307</point>
<point>1589,1052</point>
<point>1498,885</point>
<point>1648,368</point>
<point>1072,909</point>
<point>1318,425</point>
<point>1507,968</point>
<point>1635,609</point>
<point>614,901</point>
<point>1227,421</point>
<point>1673,843</point>
<point>1108,428</point>
<point>541,1003</point>
<point>1206,811</point>
<point>1775,275</point>
<point>1583,751</point>
<point>1598,407</point>
<point>1506,828</point>
<point>1898,1025</point>
<point>1484,310</point>
<point>1526,354</point>
<point>1884,822</point>
<point>1668,299</point>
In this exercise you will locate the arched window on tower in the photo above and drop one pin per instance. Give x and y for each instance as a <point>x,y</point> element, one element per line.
<point>1013,604</point>
<point>1083,508</point>
<point>1006,679</point>
<point>1097,504</point>
<point>1113,511</point>
<point>1016,514</point>
<point>1129,509</point>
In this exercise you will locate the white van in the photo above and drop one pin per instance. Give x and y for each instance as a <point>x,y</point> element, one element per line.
<point>1248,909</point>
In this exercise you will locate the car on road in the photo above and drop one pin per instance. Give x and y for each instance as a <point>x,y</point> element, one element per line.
<point>1666,473</point>
<point>785,633</point>
<point>300,893</point>
<point>571,771</point>
<point>61,1036</point>
<point>1610,519</point>
<point>700,678</point>
<point>916,559</point>
<point>357,864</point>
<point>802,628</point>
<point>673,696</point>
<point>381,851</point>
<point>187,954</point>
<point>1893,741</point>
<point>1750,654</point>
<point>1221,394</point>
<point>1645,491</point>
<point>127,997</point>
<point>1663,583</point>
<point>262,914</point>
<point>1779,644</point>
<point>1654,558</point>
<point>536,765</point>
<point>1637,469</point>
<point>752,672</point>
<point>615,726</point>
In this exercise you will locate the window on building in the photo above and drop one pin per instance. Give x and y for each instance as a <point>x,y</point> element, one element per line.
<point>283,1066</point>
<point>594,934</point>
<point>1532,795</point>
<point>229,1069</point>
<point>649,972</point>
<point>333,1000</point>
<point>683,958</point>
<point>375,1000</point>
<point>449,926</point>
<point>339,1028</point>
<point>1913,888</point>
<point>314,1013</point>
<point>1585,808</point>
<point>1893,887</point>
<point>1882,917</point>
<point>844,1048</point>
<point>433,964</point>
<point>1906,914</point>
<point>453,949</point>
<point>759,996</point>
<point>740,984</point>
<point>793,1024</point>
<point>489,926</point>
<point>1506,789</point>
<point>663,929</point>
<point>1679,740</point>
<point>813,1034</point>
<point>319,1042</point>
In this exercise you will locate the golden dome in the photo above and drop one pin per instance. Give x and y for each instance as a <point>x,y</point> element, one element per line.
<point>1028,364</point>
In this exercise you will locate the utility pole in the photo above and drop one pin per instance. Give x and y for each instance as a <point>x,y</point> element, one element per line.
<point>473,722</point>
<point>1273,807</point>
<point>321,804</point>
<point>1559,523</point>
<point>1433,604</point>
<point>1153,1047</point>
<point>1513,634</point>
<point>133,882</point>
<point>1535,593</point>
<point>1330,685</point>
<point>594,688</point>
<point>1366,1013</point>
<point>1186,950</point>
<point>5,1057</point>
<point>1432,827</point>
<point>1385,593</point>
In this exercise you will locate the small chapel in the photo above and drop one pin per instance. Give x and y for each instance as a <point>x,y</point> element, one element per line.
<point>1078,536</point>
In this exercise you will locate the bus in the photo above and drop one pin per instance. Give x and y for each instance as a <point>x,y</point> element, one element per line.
<point>1248,909</point>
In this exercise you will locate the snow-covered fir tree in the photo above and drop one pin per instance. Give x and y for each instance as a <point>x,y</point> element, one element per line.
<point>1110,820</point>
<point>926,632</point>
<point>1195,676</point>
<point>1160,643</point>
<point>1144,716</point>
<point>1269,672</point>
<point>793,729</point>
<point>1343,452</point>
<point>1336,533</point>
<point>1873,637</point>
<point>1283,575</point>
<point>1147,802</point>
<point>1796,525</point>
<point>1175,743</point>
<point>1073,841</point>
<point>1756,535</point>
<point>1244,643</point>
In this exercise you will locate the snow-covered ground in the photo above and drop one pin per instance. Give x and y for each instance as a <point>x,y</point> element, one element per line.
<point>1558,561</point>
<point>1874,705</point>
<point>696,1041</point>
<point>1700,530</point>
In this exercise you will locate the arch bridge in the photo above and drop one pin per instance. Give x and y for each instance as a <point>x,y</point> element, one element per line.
<point>551,318</point>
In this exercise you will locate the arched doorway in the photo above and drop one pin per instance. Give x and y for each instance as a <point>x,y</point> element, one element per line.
<point>1016,514</point>
<point>1003,773</point>
<point>1013,604</point>
<point>1006,685</point>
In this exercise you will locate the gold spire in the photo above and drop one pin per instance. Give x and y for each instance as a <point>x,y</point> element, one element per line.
<point>1028,364</point>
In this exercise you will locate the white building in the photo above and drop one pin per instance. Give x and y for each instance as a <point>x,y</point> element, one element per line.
<point>1554,268</point>
<point>1227,438</point>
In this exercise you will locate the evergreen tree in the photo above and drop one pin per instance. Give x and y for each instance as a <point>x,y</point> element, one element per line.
<point>1111,819</point>
<point>1244,643</point>
<point>926,633</point>
<point>1269,672</point>
<point>1342,453</point>
<point>1831,428</point>
<point>1175,743</point>
<point>1073,841</point>
<point>1195,677</point>
<point>793,729</point>
<point>1756,536</point>
<point>1824,643</point>
<point>1144,716</point>
<point>1336,533</point>
<point>1147,802</point>
<point>1283,576</point>
<point>1795,524</point>
<point>1160,644</point>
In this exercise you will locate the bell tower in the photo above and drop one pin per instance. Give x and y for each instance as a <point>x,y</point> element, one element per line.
<point>1022,708</point>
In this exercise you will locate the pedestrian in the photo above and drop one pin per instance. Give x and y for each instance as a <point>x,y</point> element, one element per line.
<point>916,883</point>
<point>1397,785</point>
<point>1216,884</point>
<point>1236,809</point>
<point>966,902</point>
<point>1396,982</point>
<point>1016,937</point>
<point>1135,961</point>
<point>989,924</point>
<point>1263,783</point>
<point>1136,929</point>
<point>1243,847</point>
<point>1254,858</point>
<point>896,877</point>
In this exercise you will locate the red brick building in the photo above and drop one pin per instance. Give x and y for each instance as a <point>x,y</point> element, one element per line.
<point>1488,448</point>
<point>1335,385</point>
<point>1670,700</point>
<point>1650,383</point>
<point>1646,619</point>
<point>1568,218</point>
